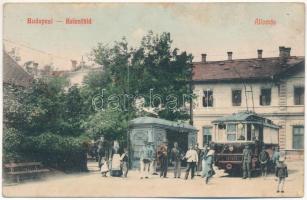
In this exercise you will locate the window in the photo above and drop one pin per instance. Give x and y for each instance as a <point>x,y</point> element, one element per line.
<point>231,132</point>
<point>236,97</point>
<point>298,137</point>
<point>241,132</point>
<point>207,131</point>
<point>299,96</point>
<point>265,97</point>
<point>208,98</point>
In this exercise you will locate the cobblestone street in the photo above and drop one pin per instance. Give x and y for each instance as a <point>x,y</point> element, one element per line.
<point>93,185</point>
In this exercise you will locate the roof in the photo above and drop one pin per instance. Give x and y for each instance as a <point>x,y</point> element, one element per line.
<point>161,122</point>
<point>59,73</point>
<point>13,73</point>
<point>248,69</point>
<point>244,117</point>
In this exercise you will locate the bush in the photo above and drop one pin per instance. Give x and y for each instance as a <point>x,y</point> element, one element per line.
<point>64,153</point>
<point>12,145</point>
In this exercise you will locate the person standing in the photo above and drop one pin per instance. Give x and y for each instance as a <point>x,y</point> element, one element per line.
<point>176,156</point>
<point>192,158</point>
<point>198,164</point>
<point>124,163</point>
<point>203,159</point>
<point>208,169</point>
<point>281,173</point>
<point>163,158</point>
<point>247,159</point>
<point>145,160</point>
<point>275,157</point>
<point>264,159</point>
<point>153,164</point>
<point>101,151</point>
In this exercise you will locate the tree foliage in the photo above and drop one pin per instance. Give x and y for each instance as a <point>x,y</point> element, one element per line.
<point>50,122</point>
<point>153,68</point>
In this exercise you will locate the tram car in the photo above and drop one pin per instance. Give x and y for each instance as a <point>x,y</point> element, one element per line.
<point>233,132</point>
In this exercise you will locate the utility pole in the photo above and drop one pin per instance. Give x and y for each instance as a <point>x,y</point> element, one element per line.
<point>191,92</point>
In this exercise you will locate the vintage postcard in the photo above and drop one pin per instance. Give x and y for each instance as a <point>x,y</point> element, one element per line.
<point>153,99</point>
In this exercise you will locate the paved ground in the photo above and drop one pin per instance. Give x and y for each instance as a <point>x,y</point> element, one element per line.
<point>93,185</point>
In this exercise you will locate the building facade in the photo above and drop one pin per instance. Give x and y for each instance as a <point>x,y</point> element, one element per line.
<point>271,87</point>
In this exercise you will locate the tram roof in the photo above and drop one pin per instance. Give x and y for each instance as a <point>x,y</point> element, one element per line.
<point>245,117</point>
<point>161,122</point>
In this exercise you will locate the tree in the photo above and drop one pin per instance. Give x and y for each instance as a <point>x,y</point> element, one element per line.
<point>45,125</point>
<point>153,69</point>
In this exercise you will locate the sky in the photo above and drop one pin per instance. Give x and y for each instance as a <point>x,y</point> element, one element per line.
<point>211,28</point>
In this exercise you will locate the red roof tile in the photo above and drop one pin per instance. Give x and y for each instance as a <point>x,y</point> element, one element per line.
<point>244,69</point>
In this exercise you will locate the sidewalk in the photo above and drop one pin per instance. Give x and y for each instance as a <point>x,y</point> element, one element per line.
<point>93,185</point>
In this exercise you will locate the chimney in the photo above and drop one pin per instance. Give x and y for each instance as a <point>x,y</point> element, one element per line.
<point>229,53</point>
<point>35,65</point>
<point>35,68</point>
<point>203,57</point>
<point>284,52</point>
<point>74,64</point>
<point>259,51</point>
<point>287,51</point>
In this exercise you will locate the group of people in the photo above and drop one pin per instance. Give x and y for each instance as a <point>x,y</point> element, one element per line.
<point>110,160</point>
<point>195,158</point>
<point>276,162</point>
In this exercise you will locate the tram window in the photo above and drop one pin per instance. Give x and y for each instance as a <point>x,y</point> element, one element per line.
<point>249,132</point>
<point>236,97</point>
<point>222,126</point>
<point>208,98</point>
<point>241,132</point>
<point>265,97</point>
<point>231,132</point>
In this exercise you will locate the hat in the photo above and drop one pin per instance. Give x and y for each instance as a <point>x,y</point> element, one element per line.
<point>281,159</point>
<point>211,152</point>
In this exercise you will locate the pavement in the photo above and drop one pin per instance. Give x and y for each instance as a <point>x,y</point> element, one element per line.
<point>93,185</point>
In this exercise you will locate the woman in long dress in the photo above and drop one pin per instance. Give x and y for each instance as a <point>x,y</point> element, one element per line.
<point>208,171</point>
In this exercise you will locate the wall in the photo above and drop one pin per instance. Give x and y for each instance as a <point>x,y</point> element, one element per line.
<point>281,110</point>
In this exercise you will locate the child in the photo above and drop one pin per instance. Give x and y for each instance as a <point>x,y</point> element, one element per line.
<point>124,163</point>
<point>281,173</point>
<point>104,168</point>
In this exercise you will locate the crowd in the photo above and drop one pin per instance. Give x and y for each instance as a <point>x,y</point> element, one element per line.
<point>198,161</point>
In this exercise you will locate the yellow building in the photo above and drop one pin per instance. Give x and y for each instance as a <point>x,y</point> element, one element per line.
<point>271,87</point>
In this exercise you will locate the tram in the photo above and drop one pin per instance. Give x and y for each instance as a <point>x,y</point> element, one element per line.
<point>233,132</point>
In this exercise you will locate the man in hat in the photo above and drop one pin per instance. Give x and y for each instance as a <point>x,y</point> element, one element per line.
<point>163,159</point>
<point>198,164</point>
<point>192,158</point>
<point>264,159</point>
<point>281,173</point>
<point>247,160</point>
<point>176,156</point>
<point>145,160</point>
